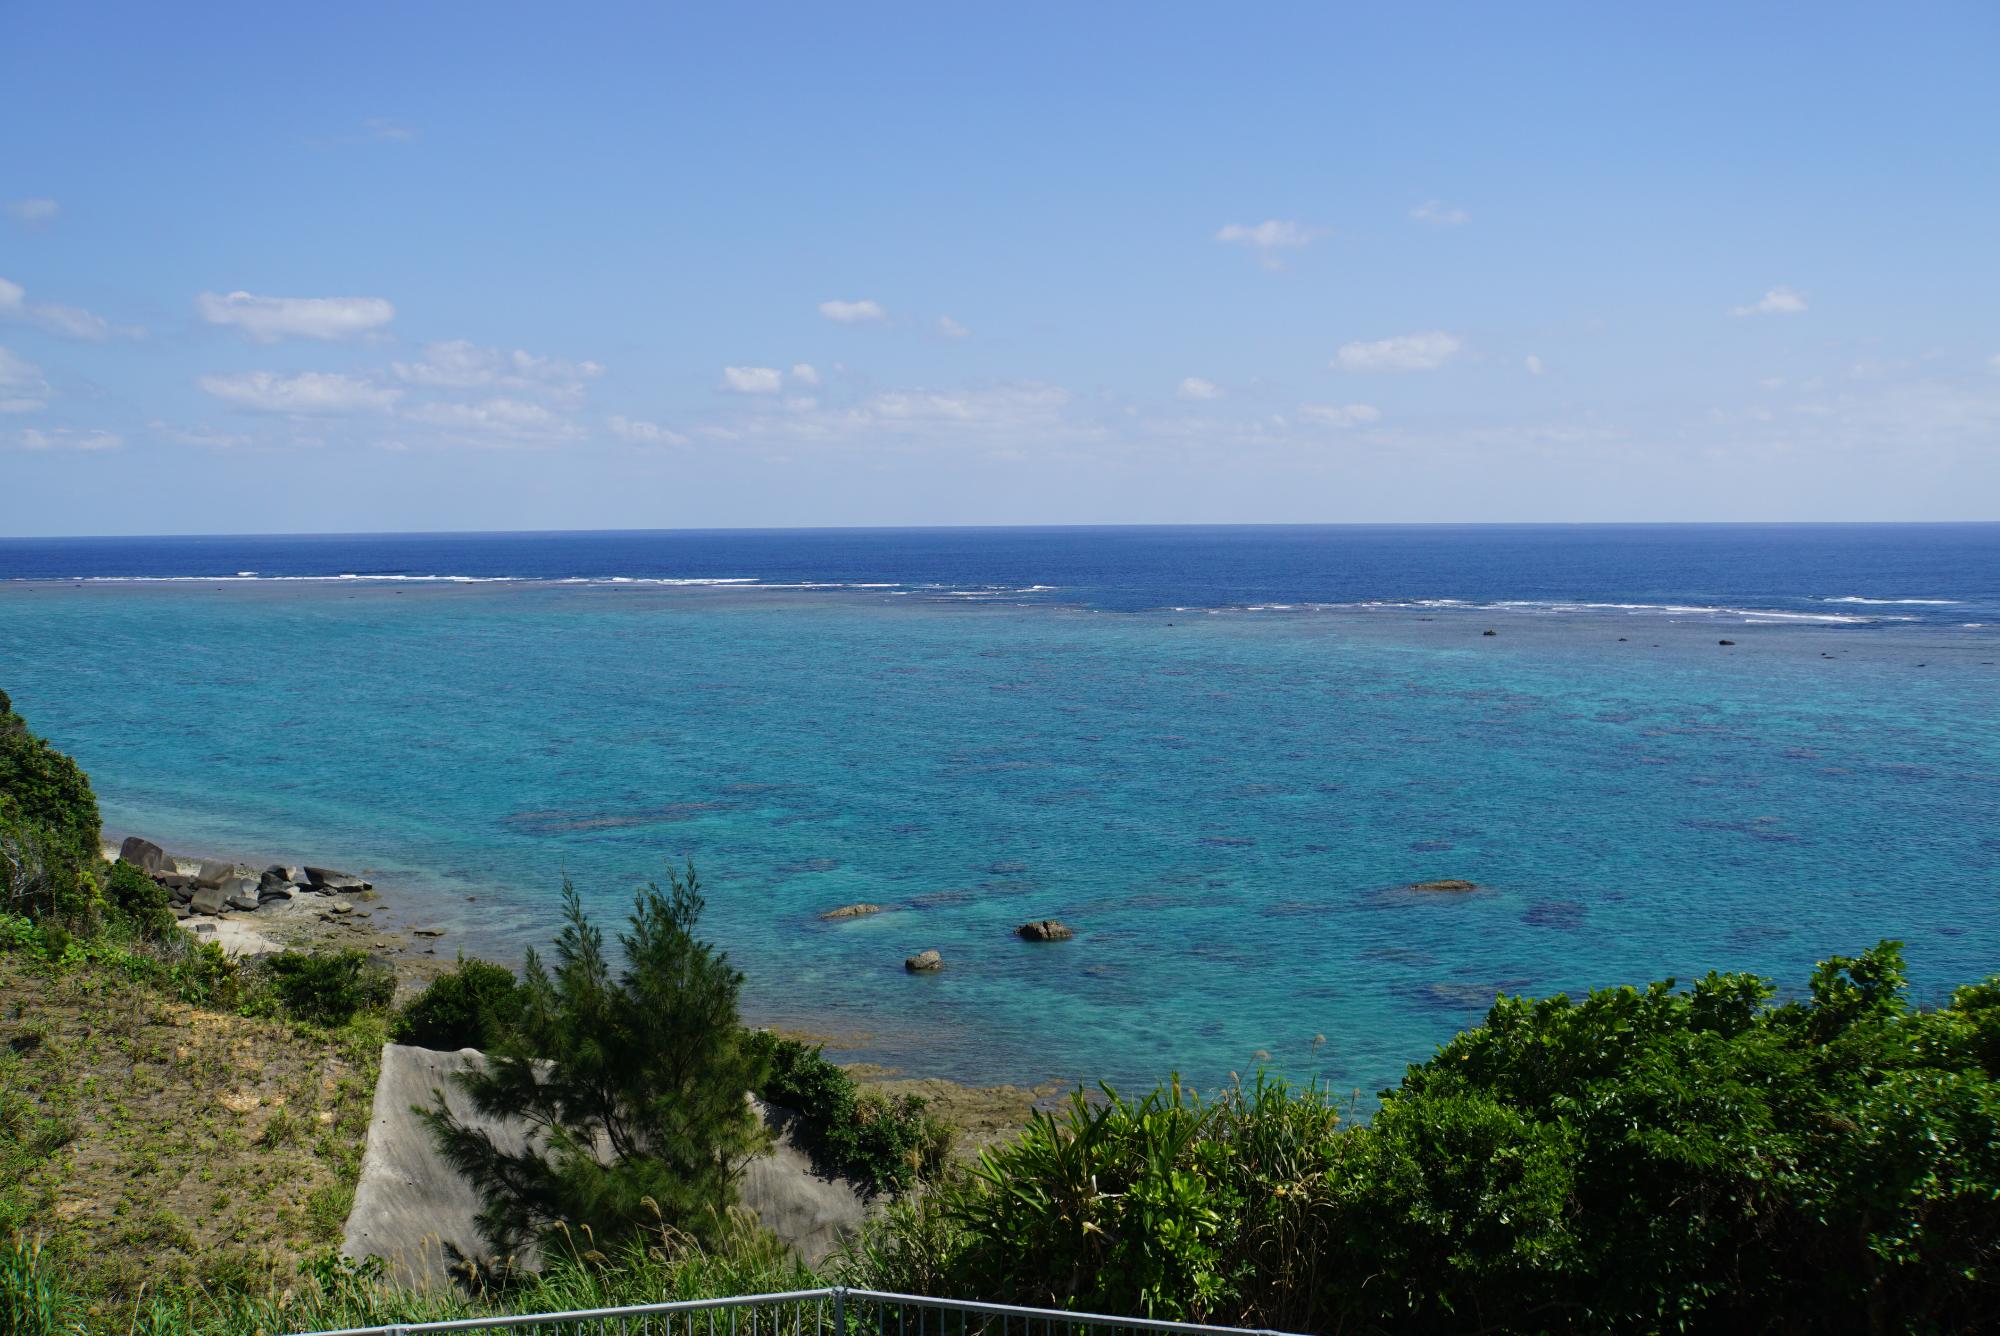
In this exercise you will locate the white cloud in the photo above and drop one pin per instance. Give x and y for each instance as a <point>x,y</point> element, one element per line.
<point>459,365</point>
<point>22,389</point>
<point>1004,406</point>
<point>308,392</point>
<point>644,433</point>
<point>71,322</point>
<point>1778,301</point>
<point>951,329</point>
<point>1272,234</point>
<point>502,419</point>
<point>1437,214</point>
<point>805,373</point>
<point>205,436</point>
<point>67,438</point>
<point>32,212</point>
<point>1268,240</point>
<point>1403,352</point>
<point>852,313</point>
<point>1195,388</point>
<point>1341,415</point>
<point>752,379</point>
<point>1994,361</point>
<point>1533,365</point>
<point>379,127</point>
<point>268,319</point>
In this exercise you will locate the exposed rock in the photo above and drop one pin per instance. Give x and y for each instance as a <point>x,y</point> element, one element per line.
<point>851,911</point>
<point>427,932</point>
<point>145,855</point>
<point>281,891</point>
<point>208,900</point>
<point>1044,930</point>
<point>241,893</point>
<point>1448,884</point>
<point>924,962</point>
<point>214,872</point>
<point>326,879</point>
<point>1489,633</point>
<point>1725,642</point>
<point>341,907</point>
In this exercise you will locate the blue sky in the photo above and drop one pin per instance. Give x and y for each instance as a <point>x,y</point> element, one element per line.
<point>284,268</point>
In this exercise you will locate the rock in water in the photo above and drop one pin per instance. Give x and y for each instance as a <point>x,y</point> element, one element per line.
<point>145,855</point>
<point>1044,930</point>
<point>326,879</point>
<point>1448,884</point>
<point>924,962</point>
<point>851,911</point>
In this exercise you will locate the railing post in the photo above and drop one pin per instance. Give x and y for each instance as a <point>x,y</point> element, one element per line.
<point>840,1310</point>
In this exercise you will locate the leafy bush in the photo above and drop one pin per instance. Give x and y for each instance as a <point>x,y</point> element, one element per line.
<point>1641,1160</point>
<point>48,828</point>
<point>886,1145</point>
<point>138,900</point>
<point>651,1062</point>
<point>328,988</point>
<point>471,1007</point>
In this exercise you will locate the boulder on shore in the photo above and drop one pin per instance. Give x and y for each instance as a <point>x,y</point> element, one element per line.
<point>326,879</point>
<point>924,962</point>
<point>1448,884</point>
<point>851,911</point>
<point>214,872</point>
<point>208,900</point>
<point>1044,930</point>
<point>145,855</point>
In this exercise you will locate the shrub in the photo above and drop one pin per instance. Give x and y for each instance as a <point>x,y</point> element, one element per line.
<point>1641,1160</point>
<point>138,900</point>
<point>471,1007</point>
<point>328,988</point>
<point>885,1145</point>
<point>48,828</point>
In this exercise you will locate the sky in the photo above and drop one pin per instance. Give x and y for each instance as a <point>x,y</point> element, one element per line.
<point>285,268</point>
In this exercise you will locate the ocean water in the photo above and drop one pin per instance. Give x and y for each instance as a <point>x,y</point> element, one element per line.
<point>1218,753</point>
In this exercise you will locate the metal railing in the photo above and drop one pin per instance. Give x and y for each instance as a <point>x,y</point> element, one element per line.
<point>828,1312</point>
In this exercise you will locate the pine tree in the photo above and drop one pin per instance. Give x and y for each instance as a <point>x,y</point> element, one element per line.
<point>634,1085</point>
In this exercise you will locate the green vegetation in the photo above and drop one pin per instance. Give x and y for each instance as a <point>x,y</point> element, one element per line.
<point>654,1065</point>
<point>1642,1160</point>
<point>885,1145</point>
<point>473,1006</point>
<point>48,829</point>
<point>329,988</point>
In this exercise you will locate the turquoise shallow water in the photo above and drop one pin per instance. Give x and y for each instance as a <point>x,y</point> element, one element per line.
<point>1222,804</point>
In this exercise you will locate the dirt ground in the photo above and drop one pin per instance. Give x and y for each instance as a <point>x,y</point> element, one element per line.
<point>145,1140</point>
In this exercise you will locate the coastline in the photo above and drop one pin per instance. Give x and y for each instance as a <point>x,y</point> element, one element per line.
<point>382,925</point>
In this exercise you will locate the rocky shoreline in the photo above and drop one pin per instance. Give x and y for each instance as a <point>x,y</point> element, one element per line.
<point>295,906</point>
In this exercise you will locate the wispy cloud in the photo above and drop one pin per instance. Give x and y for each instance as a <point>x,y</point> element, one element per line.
<point>67,438</point>
<point>457,364</point>
<point>1402,352</point>
<point>382,128</point>
<point>1533,365</point>
<point>308,393</point>
<point>951,329</point>
<point>853,313</point>
<point>640,432</point>
<point>1197,389</point>
<point>497,421</point>
<point>71,322</point>
<point>752,379</point>
<point>1341,415</point>
<point>1269,240</point>
<point>1436,213</point>
<point>205,436</point>
<point>1777,301</point>
<point>805,373</point>
<point>269,319</point>
<point>22,389</point>
<point>32,212</point>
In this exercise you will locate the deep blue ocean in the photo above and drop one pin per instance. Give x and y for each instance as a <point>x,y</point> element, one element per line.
<point>1218,753</point>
